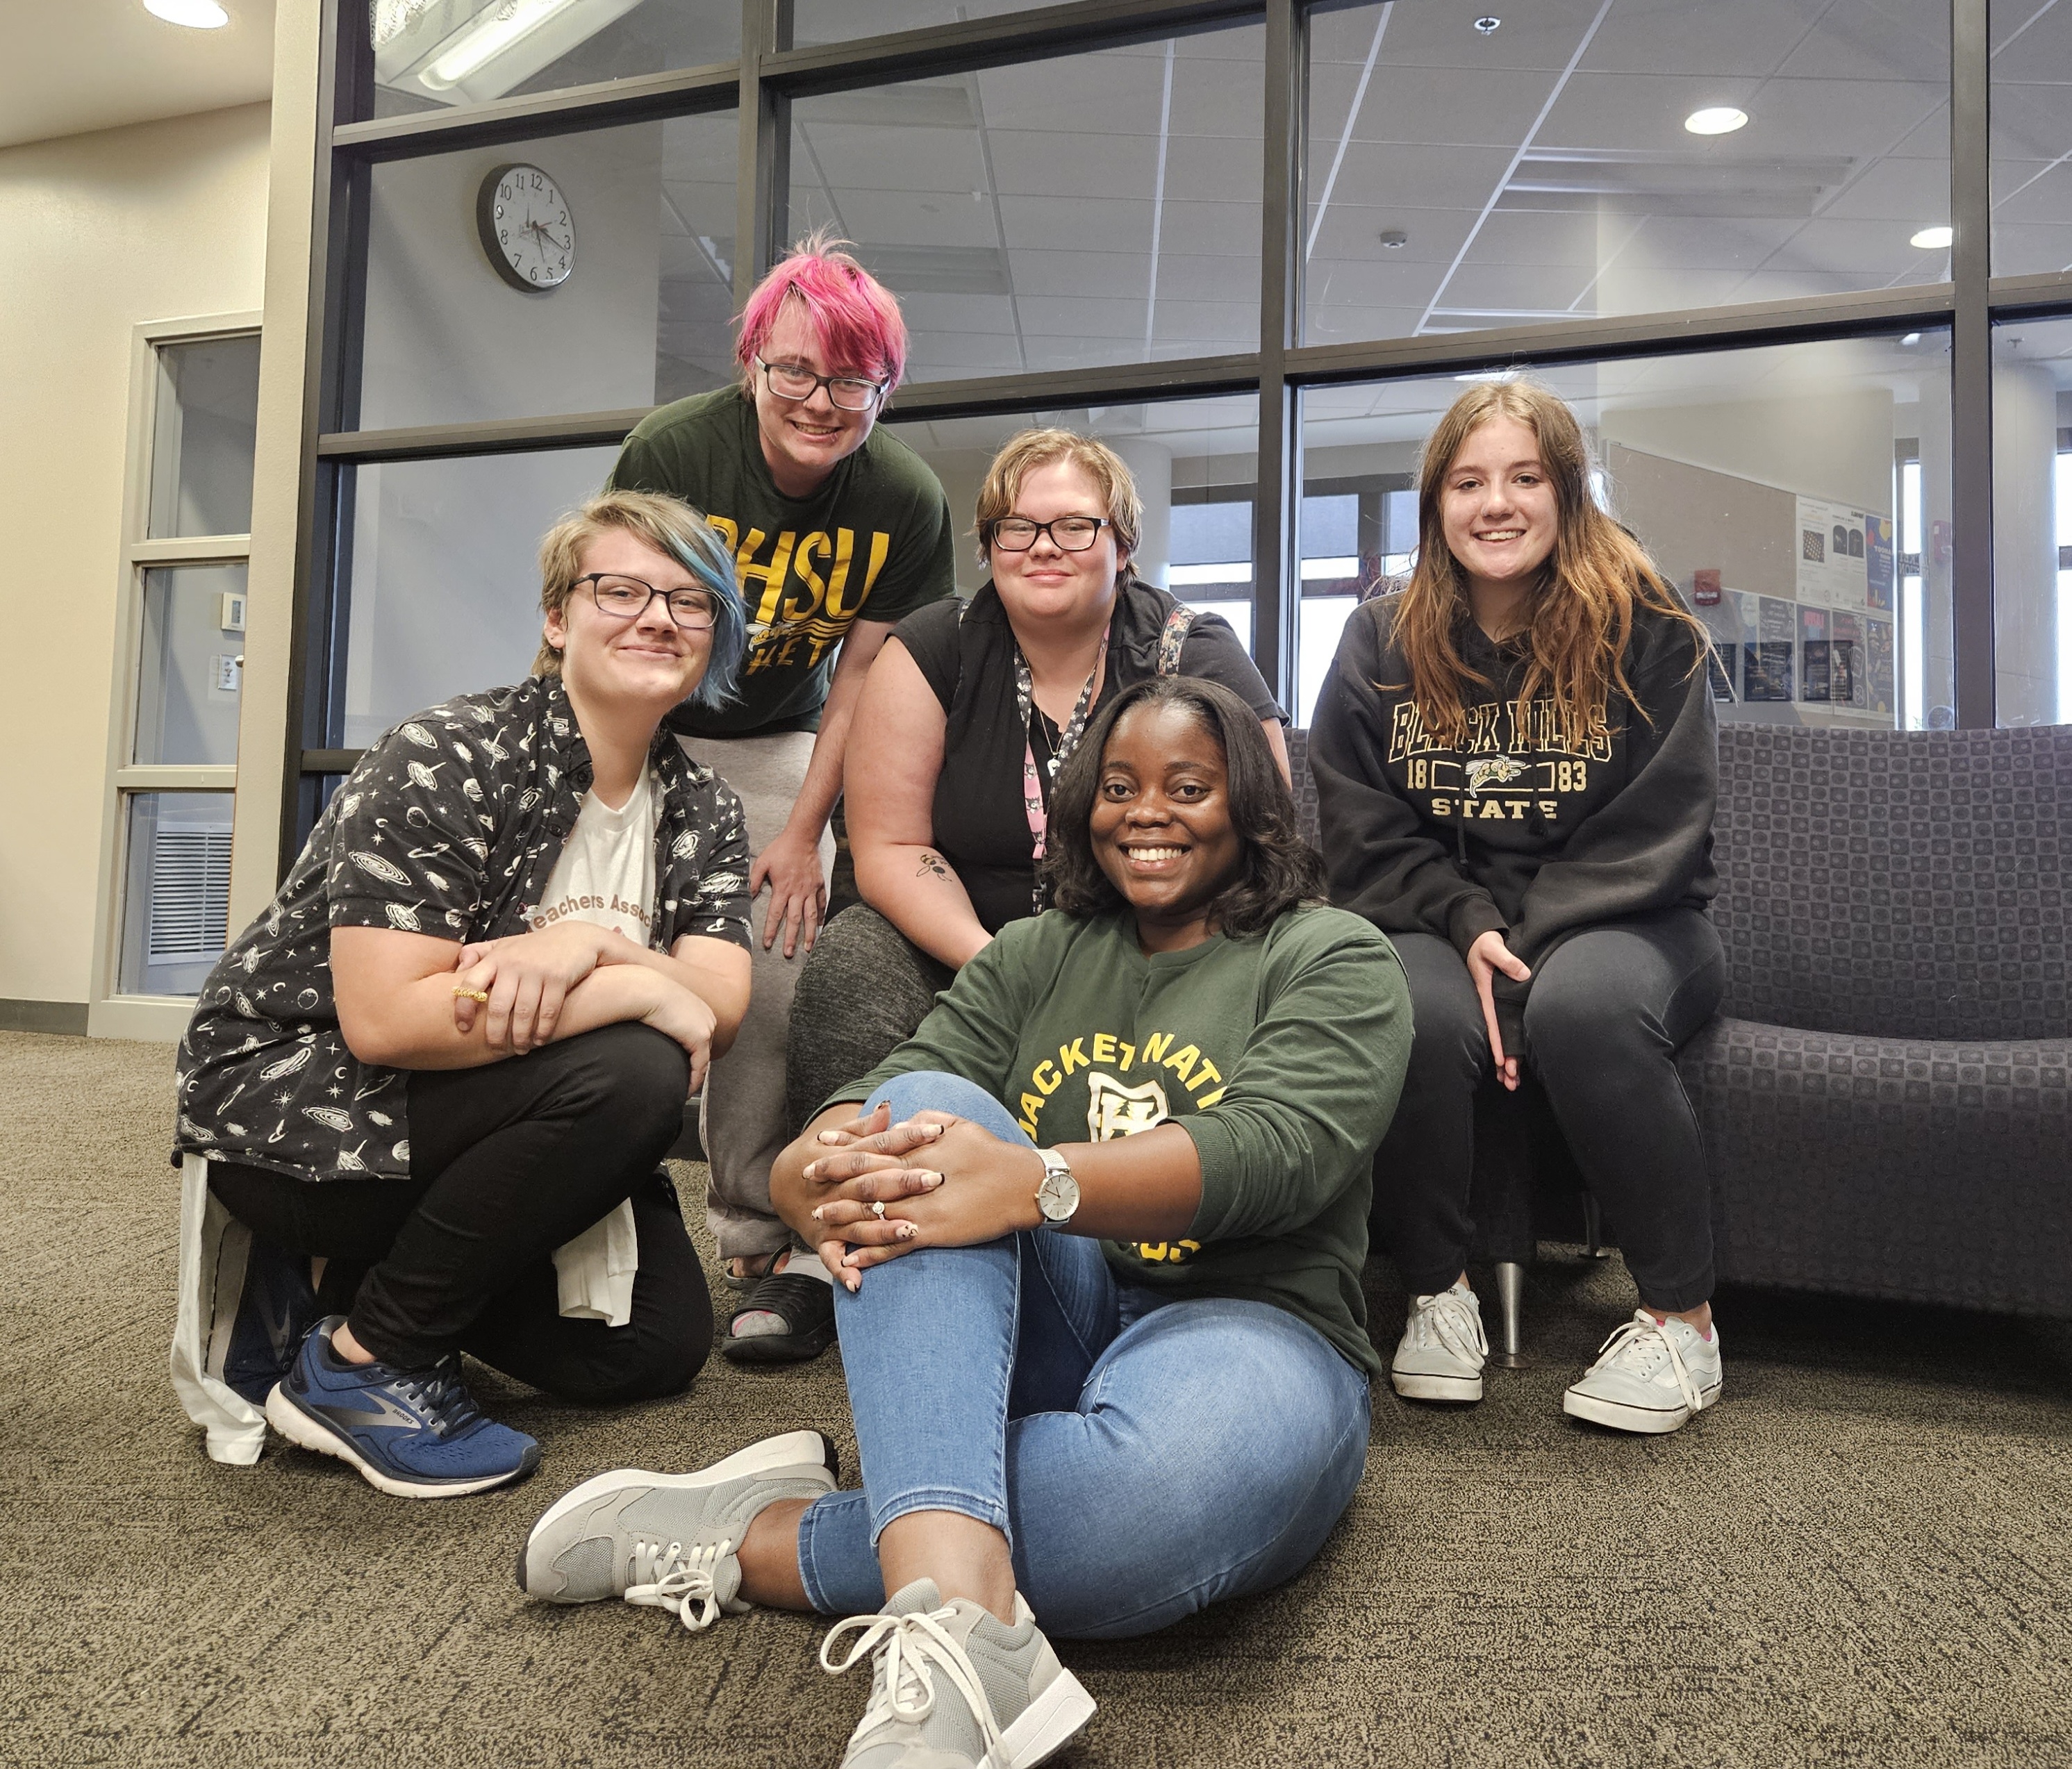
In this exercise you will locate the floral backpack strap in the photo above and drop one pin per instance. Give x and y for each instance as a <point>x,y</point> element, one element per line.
<point>1178,625</point>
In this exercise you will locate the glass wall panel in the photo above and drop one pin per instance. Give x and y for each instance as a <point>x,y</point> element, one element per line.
<point>444,591</point>
<point>177,896</point>
<point>843,21</point>
<point>2033,522</point>
<point>2032,113</point>
<point>191,668</point>
<point>429,54</point>
<point>1087,209</point>
<point>1556,166</point>
<point>207,409</point>
<point>1196,466</point>
<point>641,317</point>
<point>1797,496</point>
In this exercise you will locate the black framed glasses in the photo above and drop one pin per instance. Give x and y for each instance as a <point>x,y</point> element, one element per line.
<point>795,382</point>
<point>1067,534</point>
<point>626,598</point>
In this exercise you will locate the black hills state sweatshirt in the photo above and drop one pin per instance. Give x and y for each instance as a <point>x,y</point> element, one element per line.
<point>1513,829</point>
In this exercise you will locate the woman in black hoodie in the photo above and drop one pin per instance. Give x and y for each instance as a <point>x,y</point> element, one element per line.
<point>1516,763</point>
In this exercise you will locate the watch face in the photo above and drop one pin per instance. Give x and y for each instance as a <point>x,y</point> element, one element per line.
<point>526,229</point>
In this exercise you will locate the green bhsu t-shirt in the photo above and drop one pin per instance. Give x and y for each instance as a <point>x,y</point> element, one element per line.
<point>1281,1055</point>
<point>874,541</point>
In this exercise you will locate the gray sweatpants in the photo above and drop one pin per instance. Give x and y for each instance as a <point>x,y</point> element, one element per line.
<point>741,1115</point>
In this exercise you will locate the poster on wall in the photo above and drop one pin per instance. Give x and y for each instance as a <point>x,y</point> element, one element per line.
<point>1878,665</point>
<point>1767,658</point>
<point>1846,673</point>
<point>1815,676</point>
<point>1834,565</point>
<point>1878,551</point>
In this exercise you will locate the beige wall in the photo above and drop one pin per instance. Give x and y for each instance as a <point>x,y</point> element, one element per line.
<point>101,232</point>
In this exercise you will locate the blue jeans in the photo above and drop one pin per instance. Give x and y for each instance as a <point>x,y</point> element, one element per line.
<point>1144,1457</point>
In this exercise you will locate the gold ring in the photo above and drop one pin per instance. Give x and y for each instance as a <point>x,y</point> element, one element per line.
<point>480,995</point>
<point>877,1210</point>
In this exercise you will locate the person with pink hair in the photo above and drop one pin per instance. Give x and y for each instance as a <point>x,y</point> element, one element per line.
<point>838,532</point>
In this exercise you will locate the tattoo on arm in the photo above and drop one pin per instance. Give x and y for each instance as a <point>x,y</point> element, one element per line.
<point>931,863</point>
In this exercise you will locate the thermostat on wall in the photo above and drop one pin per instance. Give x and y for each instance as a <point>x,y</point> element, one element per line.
<point>232,613</point>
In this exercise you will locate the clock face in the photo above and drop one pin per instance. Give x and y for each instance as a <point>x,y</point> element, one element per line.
<point>526,228</point>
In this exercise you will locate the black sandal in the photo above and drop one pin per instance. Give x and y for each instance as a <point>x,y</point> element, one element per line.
<point>806,1307</point>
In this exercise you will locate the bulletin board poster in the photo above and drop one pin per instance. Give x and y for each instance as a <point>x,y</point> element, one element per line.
<point>1847,665</point>
<point>1833,564</point>
<point>1767,658</point>
<point>1878,560</point>
<point>1815,671</point>
<point>1878,644</point>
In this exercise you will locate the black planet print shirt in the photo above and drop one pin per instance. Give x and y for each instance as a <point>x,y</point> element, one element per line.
<point>451,826</point>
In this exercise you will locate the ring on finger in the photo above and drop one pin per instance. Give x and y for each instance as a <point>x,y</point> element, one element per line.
<point>878,1209</point>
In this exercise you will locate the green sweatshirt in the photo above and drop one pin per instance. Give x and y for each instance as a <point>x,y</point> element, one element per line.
<point>1281,1055</point>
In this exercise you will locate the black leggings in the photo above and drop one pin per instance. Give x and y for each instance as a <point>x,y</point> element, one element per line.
<point>1605,1013</point>
<point>508,1161</point>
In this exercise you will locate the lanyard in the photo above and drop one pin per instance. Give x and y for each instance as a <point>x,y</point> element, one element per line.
<point>1068,740</point>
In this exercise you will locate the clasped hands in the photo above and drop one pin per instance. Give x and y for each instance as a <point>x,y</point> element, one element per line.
<point>933,1180</point>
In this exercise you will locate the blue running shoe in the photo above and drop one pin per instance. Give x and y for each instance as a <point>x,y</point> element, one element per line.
<point>276,1309</point>
<point>416,1433</point>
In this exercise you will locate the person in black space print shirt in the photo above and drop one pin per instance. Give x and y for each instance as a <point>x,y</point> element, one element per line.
<point>1516,766</point>
<point>462,1034</point>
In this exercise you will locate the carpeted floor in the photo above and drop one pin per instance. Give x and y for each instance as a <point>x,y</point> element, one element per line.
<point>1862,1557</point>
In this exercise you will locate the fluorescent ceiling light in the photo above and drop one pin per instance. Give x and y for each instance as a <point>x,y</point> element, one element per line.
<point>501,28</point>
<point>1933,239</point>
<point>196,14</point>
<point>1716,120</point>
<point>1491,374</point>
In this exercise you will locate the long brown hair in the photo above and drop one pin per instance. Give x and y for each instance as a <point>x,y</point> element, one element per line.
<point>1579,615</point>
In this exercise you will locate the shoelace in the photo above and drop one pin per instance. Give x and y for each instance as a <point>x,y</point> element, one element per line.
<point>440,1396</point>
<point>676,1580</point>
<point>1453,1321</point>
<point>910,1644</point>
<point>1635,1344</point>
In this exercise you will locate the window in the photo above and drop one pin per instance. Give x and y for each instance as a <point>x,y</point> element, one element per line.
<point>1761,482</point>
<point>2033,522</point>
<point>2031,145</point>
<point>179,674</point>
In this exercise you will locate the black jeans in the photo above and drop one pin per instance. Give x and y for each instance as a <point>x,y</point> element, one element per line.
<point>508,1161</point>
<point>1605,1013</point>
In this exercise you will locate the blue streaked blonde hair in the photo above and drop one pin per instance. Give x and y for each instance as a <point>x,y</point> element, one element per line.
<point>669,526</point>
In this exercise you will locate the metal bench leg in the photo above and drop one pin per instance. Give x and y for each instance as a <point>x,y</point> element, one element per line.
<point>1593,1227</point>
<point>1511,1295</point>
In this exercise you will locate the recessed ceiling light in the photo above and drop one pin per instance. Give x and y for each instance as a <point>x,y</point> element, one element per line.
<point>1933,239</point>
<point>1498,375</point>
<point>1716,120</point>
<point>1487,23</point>
<point>196,14</point>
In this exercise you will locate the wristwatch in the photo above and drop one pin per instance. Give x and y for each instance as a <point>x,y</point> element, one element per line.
<point>1058,1195</point>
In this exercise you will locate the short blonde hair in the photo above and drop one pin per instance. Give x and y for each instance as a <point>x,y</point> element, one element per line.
<point>671,526</point>
<point>1034,448</point>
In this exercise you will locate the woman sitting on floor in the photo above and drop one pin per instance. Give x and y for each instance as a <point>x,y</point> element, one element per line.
<point>1118,1430</point>
<point>1517,765</point>
<point>973,708</point>
<point>463,1034</point>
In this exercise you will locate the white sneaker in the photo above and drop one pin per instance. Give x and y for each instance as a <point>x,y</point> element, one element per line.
<point>957,1688</point>
<point>1440,1355</point>
<point>1650,1376</point>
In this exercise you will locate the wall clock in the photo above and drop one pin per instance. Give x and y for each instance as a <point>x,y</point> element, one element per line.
<point>526,228</point>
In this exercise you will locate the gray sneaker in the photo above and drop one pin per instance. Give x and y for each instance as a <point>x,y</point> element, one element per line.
<point>955,1687</point>
<point>669,1541</point>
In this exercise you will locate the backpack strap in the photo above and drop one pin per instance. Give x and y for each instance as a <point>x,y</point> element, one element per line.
<point>1178,625</point>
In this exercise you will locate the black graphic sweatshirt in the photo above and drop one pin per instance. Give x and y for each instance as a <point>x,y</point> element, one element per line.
<point>1513,830</point>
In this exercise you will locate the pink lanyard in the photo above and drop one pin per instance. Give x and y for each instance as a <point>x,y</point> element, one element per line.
<point>1068,740</point>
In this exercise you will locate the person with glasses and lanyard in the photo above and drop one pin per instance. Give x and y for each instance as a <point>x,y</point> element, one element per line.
<point>437,1076</point>
<point>838,531</point>
<point>974,709</point>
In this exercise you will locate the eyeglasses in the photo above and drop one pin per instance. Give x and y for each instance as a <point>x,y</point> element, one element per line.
<point>1067,534</point>
<point>626,598</point>
<point>795,382</point>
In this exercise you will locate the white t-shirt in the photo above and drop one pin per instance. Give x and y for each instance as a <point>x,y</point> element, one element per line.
<point>605,873</point>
